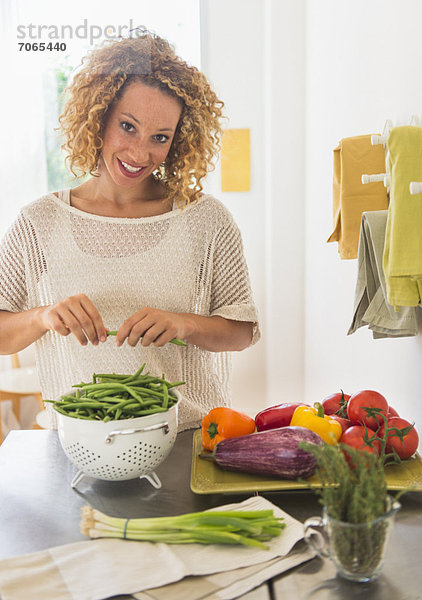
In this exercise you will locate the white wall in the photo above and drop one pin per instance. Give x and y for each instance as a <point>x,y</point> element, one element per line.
<point>231,50</point>
<point>302,75</point>
<point>363,67</point>
<point>284,178</point>
<point>253,53</point>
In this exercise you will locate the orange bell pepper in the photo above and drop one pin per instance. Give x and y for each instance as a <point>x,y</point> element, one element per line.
<point>222,423</point>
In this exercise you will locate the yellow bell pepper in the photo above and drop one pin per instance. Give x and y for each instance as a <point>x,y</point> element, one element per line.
<point>314,419</point>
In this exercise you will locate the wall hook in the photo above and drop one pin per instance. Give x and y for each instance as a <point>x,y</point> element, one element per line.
<point>415,187</point>
<point>383,138</point>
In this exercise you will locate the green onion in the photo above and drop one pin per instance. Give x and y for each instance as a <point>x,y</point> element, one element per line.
<point>248,528</point>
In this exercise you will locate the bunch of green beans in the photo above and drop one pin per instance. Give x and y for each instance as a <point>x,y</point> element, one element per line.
<point>114,397</point>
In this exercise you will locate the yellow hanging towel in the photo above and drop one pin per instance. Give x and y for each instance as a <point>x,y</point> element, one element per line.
<point>353,157</point>
<point>402,259</point>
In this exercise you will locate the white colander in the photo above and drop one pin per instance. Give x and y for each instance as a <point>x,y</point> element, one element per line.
<point>122,449</point>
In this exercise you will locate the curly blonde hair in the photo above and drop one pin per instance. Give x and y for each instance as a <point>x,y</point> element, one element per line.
<point>152,61</point>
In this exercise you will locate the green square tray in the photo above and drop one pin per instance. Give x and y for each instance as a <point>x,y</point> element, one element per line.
<point>209,478</point>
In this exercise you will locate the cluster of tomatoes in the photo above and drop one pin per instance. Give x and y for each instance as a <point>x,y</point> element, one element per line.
<point>369,424</point>
<point>367,420</point>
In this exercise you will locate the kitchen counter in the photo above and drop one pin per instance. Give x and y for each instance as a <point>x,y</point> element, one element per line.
<point>39,509</point>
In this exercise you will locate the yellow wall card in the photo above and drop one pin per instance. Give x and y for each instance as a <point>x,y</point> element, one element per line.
<point>236,161</point>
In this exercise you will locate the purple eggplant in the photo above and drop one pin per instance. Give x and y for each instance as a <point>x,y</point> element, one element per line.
<point>274,452</point>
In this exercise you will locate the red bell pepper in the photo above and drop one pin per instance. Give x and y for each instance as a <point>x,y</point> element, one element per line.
<point>276,416</point>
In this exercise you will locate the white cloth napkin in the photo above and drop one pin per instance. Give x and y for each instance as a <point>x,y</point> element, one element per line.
<point>229,584</point>
<point>98,569</point>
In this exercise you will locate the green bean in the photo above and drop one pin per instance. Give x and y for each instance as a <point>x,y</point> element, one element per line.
<point>166,397</point>
<point>175,341</point>
<point>151,411</point>
<point>148,403</point>
<point>123,406</point>
<point>178,342</point>
<point>74,414</point>
<point>112,399</point>
<point>80,404</point>
<point>100,386</point>
<point>134,394</point>
<point>137,375</point>
<point>110,376</point>
<point>60,410</point>
<point>82,397</point>
<point>116,379</point>
<point>102,394</point>
<point>118,376</point>
<point>150,392</point>
<point>175,384</point>
<point>143,380</point>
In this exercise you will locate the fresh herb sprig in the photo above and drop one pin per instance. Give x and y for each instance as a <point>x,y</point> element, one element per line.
<point>354,495</point>
<point>353,490</point>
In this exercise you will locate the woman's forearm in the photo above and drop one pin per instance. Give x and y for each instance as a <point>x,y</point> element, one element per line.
<point>218,334</point>
<point>20,330</point>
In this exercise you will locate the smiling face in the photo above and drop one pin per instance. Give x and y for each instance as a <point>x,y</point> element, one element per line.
<point>138,135</point>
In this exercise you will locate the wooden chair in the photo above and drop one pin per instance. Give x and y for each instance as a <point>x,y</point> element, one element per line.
<point>18,383</point>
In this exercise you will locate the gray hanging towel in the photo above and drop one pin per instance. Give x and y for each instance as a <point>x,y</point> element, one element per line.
<point>371,307</point>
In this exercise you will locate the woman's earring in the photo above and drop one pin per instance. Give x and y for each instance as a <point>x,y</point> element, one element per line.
<point>160,171</point>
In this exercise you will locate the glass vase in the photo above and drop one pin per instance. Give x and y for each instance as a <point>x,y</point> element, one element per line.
<point>357,550</point>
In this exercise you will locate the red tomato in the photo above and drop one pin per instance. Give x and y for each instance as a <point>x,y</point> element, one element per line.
<point>336,404</point>
<point>345,423</point>
<point>392,413</point>
<point>366,399</point>
<point>356,437</point>
<point>276,416</point>
<point>405,448</point>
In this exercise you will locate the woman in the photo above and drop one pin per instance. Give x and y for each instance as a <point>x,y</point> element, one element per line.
<point>137,247</point>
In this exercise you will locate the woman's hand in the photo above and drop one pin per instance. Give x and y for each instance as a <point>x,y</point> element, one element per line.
<point>77,315</point>
<point>154,326</point>
<point>158,327</point>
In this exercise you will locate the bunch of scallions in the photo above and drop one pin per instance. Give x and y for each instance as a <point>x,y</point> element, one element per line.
<point>248,528</point>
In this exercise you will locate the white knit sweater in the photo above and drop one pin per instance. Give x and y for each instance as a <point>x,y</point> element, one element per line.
<point>186,260</point>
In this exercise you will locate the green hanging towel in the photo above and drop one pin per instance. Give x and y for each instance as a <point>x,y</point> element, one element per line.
<point>402,259</point>
<point>371,307</point>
